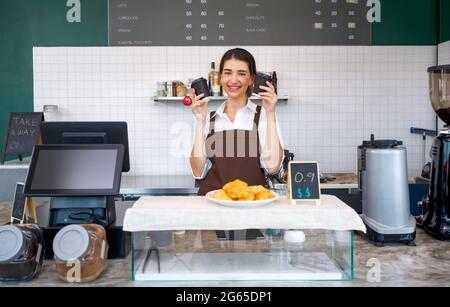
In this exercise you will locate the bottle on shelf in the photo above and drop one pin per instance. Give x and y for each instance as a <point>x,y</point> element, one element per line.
<point>211,74</point>
<point>275,81</point>
<point>216,84</point>
<point>189,87</point>
<point>161,89</point>
<point>169,89</point>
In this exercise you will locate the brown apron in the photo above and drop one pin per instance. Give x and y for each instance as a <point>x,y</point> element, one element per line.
<point>234,154</point>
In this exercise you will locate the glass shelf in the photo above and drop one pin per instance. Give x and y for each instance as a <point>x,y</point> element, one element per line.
<point>283,99</point>
<point>199,255</point>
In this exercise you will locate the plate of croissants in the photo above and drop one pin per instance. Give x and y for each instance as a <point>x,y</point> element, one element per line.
<point>238,193</point>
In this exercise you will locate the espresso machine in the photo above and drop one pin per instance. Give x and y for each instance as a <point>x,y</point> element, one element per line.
<point>436,209</point>
<point>383,182</point>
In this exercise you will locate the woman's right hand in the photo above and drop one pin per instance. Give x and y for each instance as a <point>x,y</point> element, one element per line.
<point>199,107</point>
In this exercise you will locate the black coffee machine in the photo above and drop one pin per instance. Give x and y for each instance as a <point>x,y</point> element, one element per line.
<point>436,209</point>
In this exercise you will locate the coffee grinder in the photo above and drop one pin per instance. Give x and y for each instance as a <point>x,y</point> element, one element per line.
<point>436,209</point>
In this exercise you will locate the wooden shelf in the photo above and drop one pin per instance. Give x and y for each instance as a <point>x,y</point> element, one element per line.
<point>283,99</point>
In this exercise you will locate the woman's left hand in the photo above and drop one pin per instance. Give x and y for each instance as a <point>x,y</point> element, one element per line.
<point>269,97</point>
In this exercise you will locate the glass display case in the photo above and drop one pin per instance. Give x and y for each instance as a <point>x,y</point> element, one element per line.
<point>240,255</point>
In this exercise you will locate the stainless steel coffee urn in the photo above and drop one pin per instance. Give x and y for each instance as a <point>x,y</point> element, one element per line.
<point>383,181</point>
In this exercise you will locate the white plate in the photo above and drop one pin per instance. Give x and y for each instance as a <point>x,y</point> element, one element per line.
<point>242,204</point>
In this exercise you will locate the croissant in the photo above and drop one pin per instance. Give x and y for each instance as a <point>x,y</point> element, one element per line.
<point>255,189</point>
<point>264,195</point>
<point>239,190</point>
<point>221,194</point>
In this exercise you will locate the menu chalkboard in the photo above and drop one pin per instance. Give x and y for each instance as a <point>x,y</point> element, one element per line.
<point>304,181</point>
<point>238,22</point>
<point>18,209</point>
<point>23,133</point>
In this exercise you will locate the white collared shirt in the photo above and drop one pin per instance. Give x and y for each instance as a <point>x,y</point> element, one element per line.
<point>242,121</point>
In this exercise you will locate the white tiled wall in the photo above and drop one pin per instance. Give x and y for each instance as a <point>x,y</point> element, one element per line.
<point>444,53</point>
<point>338,97</point>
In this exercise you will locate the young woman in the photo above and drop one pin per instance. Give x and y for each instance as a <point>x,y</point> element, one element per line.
<point>240,140</point>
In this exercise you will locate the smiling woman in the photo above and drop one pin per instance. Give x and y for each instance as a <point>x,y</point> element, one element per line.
<point>240,140</point>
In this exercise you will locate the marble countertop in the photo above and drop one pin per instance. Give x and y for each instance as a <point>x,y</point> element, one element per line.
<point>426,264</point>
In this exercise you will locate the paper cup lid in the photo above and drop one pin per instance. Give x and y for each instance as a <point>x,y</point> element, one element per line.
<point>71,243</point>
<point>11,242</point>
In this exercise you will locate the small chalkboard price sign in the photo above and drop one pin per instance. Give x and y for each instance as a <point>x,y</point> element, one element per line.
<point>22,134</point>
<point>19,204</point>
<point>24,208</point>
<point>304,182</point>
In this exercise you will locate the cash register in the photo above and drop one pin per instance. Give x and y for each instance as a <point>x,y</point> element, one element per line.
<point>81,181</point>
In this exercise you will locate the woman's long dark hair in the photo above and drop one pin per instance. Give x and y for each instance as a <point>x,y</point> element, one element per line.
<point>241,55</point>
